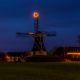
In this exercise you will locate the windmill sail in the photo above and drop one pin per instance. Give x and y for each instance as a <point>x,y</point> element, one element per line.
<point>51,33</point>
<point>38,47</point>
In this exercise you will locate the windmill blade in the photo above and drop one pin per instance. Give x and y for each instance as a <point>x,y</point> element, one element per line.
<point>24,34</point>
<point>51,33</point>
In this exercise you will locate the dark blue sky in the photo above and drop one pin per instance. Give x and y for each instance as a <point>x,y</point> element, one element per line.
<point>62,16</point>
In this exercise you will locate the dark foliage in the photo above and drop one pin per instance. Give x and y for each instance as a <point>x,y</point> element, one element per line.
<point>2,56</point>
<point>44,59</point>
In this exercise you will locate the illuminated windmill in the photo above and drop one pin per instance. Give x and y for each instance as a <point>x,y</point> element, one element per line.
<point>38,47</point>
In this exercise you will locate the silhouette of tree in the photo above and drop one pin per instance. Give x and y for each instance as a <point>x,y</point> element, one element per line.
<point>78,41</point>
<point>51,53</point>
<point>54,48</point>
<point>25,53</point>
<point>2,56</point>
<point>28,51</point>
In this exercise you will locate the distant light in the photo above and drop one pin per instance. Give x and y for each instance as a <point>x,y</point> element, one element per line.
<point>45,35</point>
<point>36,15</point>
<point>73,53</point>
<point>31,33</point>
<point>7,56</point>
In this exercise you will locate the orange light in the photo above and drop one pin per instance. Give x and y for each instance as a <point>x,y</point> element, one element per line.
<point>73,53</point>
<point>31,33</point>
<point>36,15</point>
<point>7,56</point>
<point>44,35</point>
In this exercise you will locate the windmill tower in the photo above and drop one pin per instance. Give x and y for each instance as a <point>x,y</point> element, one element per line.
<point>38,47</point>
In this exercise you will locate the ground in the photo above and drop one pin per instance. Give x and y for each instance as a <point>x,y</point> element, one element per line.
<point>40,71</point>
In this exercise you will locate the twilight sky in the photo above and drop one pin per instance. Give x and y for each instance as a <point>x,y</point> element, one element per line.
<point>62,16</point>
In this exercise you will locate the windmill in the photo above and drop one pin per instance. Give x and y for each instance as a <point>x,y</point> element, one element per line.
<point>38,47</point>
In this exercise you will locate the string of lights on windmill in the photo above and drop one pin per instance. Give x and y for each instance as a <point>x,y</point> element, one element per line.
<point>38,47</point>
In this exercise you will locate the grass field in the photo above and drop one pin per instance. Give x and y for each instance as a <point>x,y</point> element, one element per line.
<point>40,71</point>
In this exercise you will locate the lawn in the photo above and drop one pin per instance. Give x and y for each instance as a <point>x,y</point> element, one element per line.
<point>40,71</point>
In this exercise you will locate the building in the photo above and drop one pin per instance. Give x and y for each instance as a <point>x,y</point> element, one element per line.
<point>70,53</point>
<point>13,56</point>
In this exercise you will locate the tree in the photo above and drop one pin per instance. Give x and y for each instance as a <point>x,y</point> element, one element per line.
<point>51,52</point>
<point>28,51</point>
<point>54,48</point>
<point>78,41</point>
<point>2,56</point>
<point>25,53</point>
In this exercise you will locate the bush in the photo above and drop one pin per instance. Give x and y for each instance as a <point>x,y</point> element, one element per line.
<point>44,59</point>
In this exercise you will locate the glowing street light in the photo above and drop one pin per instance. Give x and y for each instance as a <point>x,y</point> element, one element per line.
<point>36,15</point>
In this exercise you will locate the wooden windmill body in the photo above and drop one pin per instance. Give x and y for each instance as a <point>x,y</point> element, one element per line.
<point>38,47</point>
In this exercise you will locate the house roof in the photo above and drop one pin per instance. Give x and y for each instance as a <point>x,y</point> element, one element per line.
<point>14,53</point>
<point>60,50</point>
